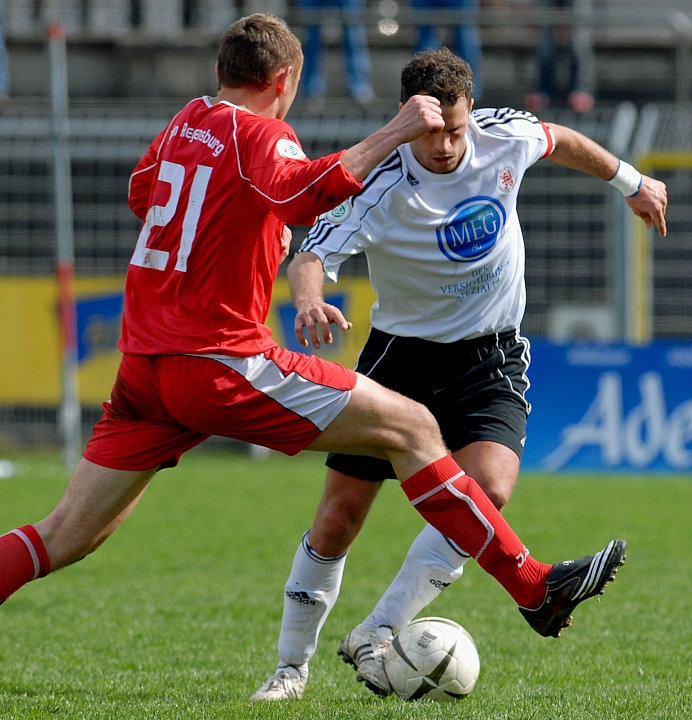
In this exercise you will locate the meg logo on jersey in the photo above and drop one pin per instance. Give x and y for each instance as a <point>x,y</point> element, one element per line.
<point>471,228</point>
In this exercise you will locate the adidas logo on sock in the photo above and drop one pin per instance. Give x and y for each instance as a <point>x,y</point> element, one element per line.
<point>300,596</point>
<point>439,584</point>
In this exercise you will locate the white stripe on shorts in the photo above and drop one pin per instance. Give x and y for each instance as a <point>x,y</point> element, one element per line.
<point>318,403</point>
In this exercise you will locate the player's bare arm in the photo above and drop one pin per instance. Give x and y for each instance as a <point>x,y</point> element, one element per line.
<point>648,198</point>
<point>419,115</point>
<point>306,279</point>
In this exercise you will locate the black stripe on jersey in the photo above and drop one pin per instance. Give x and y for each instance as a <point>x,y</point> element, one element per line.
<point>316,236</point>
<point>393,162</point>
<point>323,228</point>
<point>502,116</point>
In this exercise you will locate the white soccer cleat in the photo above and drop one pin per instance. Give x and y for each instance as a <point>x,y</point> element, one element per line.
<point>285,684</point>
<point>365,649</point>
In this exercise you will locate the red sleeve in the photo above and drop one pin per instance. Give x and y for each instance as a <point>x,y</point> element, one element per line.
<point>550,140</point>
<point>143,177</point>
<point>294,188</point>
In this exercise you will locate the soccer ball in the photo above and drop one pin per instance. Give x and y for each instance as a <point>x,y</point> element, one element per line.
<point>432,658</point>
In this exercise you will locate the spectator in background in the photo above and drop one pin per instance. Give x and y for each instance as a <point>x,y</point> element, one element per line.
<point>565,48</point>
<point>466,39</point>
<point>4,71</point>
<point>355,47</point>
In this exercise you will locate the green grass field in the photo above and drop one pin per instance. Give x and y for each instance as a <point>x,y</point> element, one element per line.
<point>177,615</point>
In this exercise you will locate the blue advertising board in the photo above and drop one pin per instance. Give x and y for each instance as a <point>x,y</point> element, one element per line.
<point>610,407</point>
<point>98,324</point>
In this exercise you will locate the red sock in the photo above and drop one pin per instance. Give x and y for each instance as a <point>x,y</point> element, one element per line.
<point>454,503</point>
<point>23,558</point>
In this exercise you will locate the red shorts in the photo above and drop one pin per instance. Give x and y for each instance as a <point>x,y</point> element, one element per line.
<point>163,405</point>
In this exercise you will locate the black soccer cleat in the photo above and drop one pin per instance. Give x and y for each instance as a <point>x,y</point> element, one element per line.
<point>569,583</point>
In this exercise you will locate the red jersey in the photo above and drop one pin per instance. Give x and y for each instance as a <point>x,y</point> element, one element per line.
<point>215,189</point>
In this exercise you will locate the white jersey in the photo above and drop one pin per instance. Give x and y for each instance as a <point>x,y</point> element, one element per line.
<point>445,251</point>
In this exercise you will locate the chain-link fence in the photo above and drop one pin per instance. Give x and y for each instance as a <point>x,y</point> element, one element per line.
<point>573,224</point>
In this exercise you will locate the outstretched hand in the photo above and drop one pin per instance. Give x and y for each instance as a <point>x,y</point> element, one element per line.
<point>650,203</point>
<point>317,319</point>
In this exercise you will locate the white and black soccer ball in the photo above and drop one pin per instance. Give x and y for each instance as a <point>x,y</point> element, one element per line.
<point>432,658</point>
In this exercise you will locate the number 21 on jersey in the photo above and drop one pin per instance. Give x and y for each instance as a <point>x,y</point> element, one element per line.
<point>161,215</point>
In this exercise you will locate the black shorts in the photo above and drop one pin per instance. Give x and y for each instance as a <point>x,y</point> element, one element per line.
<point>474,388</point>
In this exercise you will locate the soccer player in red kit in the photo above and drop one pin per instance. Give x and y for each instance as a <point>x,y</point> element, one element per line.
<point>215,190</point>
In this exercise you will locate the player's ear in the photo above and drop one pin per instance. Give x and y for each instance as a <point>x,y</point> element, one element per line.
<point>282,79</point>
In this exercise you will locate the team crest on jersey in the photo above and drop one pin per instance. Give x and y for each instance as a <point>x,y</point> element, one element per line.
<point>339,214</point>
<point>289,149</point>
<point>471,229</point>
<point>506,179</point>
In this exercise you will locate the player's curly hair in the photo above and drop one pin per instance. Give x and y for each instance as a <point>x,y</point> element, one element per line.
<point>254,48</point>
<point>439,73</point>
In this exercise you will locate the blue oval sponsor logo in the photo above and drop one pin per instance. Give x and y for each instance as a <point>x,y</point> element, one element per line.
<point>470,230</point>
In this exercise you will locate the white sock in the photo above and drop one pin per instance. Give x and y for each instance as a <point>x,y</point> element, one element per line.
<point>432,563</point>
<point>310,593</point>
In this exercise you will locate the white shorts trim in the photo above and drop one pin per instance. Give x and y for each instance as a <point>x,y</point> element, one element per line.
<point>316,402</point>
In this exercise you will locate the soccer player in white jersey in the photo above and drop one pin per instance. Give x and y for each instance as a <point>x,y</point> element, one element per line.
<point>438,223</point>
<point>214,191</point>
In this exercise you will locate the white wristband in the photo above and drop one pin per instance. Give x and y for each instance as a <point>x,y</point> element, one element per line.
<point>627,179</point>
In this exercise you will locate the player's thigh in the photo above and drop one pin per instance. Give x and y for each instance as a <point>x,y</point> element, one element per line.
<point>493,466</point>
<point>379,422</point>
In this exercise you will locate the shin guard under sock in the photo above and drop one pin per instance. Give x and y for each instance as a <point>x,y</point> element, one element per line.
<point>432,563</point>
<point>455,504</point>
<point>310,593</point>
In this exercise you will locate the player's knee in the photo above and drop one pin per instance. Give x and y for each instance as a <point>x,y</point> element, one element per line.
<point>421,426</point>
<point>499,493</point>
<point>333,534</point>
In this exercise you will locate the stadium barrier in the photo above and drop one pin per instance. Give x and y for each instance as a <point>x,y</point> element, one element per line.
<point>618,408</point>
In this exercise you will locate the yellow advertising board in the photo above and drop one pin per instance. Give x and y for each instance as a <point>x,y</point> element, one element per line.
<point>30,360</point>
